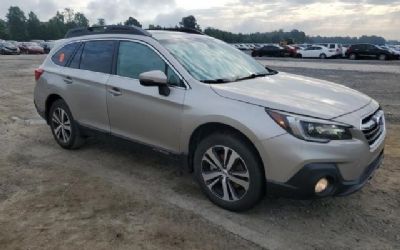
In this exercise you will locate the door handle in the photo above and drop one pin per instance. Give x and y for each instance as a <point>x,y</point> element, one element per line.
<point>68,80</point>
<point>115,91</point>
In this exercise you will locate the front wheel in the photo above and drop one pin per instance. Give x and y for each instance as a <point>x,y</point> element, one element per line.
<point>65,130</point>
<point>229,172</point>
<point>352,56</point>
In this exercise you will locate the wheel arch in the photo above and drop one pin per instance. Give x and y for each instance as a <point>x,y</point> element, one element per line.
<point>208,128</point>
<point>49,101</point>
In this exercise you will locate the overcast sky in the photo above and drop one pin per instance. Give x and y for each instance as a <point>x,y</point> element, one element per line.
<point>327,18</point>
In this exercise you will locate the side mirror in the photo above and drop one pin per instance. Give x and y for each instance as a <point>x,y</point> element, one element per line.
<point>155,78</point>
<point>272,71</point>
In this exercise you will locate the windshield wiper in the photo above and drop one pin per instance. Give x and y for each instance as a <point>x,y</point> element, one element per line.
<point>216,81</point>
<point>252,76</point>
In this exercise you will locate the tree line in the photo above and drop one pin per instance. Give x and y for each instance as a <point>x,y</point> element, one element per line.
<point>21,28</point>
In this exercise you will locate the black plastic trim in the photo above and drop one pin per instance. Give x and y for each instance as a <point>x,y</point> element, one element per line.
<point>107,29</point>
<point>301,185</point>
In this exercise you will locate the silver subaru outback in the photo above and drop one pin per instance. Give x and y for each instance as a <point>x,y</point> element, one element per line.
<point>243,129</point>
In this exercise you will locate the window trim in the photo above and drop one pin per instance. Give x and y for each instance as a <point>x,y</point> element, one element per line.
<point>185,86</point>
<point>81,44</point>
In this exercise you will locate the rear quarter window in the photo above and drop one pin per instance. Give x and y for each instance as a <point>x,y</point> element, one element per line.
<point>62,56</point>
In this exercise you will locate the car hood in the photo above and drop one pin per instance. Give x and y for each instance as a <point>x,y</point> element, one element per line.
<point>296,94</point>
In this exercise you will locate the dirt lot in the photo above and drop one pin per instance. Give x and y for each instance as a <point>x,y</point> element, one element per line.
<point>112,194</point>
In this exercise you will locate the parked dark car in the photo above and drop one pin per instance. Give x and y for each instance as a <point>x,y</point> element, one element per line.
<point>7,48</point>
<point>358,51</point>
<point>270,50</point>
<point>291,50</point>
<point>31,48</point>
<point>47,46</point>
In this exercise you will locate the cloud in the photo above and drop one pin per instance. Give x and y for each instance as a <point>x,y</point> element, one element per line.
<point>329,18</point>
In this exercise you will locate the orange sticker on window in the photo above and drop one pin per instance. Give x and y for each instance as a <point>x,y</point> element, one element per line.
<point>61,57</point>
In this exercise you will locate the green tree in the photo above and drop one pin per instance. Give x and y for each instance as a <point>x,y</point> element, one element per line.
<point>152,27</point>
<point>33,26</point>
<point>56,28</point>
<point>189,22</point>
<point>16,23</point>
<point>3,30</point>
<point>133,22</point>
<point>101,22</point>
<point>80,20</point>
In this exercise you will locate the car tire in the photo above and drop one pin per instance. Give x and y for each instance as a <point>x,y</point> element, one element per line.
<point>322,56</point>
<point>352,56</point>
<point>235,184</point>
<point>382,57</point>
<point>299,56</point>
<point>65,130</point>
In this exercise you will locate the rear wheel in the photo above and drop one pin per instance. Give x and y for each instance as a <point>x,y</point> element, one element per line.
<point>382,57</point>
<point>63,126</point>
<point>229,172</point>
<point>322,56</point>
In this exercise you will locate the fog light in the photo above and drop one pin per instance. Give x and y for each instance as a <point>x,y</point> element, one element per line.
<point>321,185</point>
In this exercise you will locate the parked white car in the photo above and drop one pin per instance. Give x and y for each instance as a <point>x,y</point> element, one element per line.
<point>317,51</point>
<point>334,47</point>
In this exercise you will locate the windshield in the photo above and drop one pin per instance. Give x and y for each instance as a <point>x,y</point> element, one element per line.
<point>211,60</point>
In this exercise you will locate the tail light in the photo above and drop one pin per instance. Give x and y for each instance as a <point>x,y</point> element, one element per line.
<point>38,73</point>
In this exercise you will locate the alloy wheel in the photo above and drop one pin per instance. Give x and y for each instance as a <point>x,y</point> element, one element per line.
<point>61,125</point>
<point>225,173</point>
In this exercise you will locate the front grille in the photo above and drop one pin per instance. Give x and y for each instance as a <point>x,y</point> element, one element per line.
<point>373,126</point>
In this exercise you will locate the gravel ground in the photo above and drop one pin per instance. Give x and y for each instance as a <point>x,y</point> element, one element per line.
<point>112,194</point>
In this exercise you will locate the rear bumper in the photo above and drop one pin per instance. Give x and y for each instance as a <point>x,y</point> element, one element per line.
<point>302,184</point>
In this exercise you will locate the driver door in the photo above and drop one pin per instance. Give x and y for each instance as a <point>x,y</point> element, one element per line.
<point>138,112</point>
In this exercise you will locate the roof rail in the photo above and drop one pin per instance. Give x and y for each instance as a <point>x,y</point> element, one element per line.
<point>106,29</point>
<point>180,29</point>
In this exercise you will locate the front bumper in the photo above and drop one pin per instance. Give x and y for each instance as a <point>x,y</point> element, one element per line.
<point>11,52</point>
<point>302,184</point>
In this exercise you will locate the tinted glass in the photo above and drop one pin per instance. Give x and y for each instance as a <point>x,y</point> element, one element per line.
<point>62,56</point>
<point>97,56</point>
<point>136,58</point>
<point>77,58</point>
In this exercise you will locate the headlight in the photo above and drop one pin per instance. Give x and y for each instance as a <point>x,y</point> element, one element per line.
<point>311,129</point>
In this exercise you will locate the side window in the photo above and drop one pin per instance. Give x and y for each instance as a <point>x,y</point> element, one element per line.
<point>97,56</point>
<point>332,46</point>
<point>62,56</point>
<point>173,79</point>
<point>77,58</point>
<point>135,58</point>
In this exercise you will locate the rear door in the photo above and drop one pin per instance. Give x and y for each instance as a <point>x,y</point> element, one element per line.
<point>85,79</point>
<point>138,112</point>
